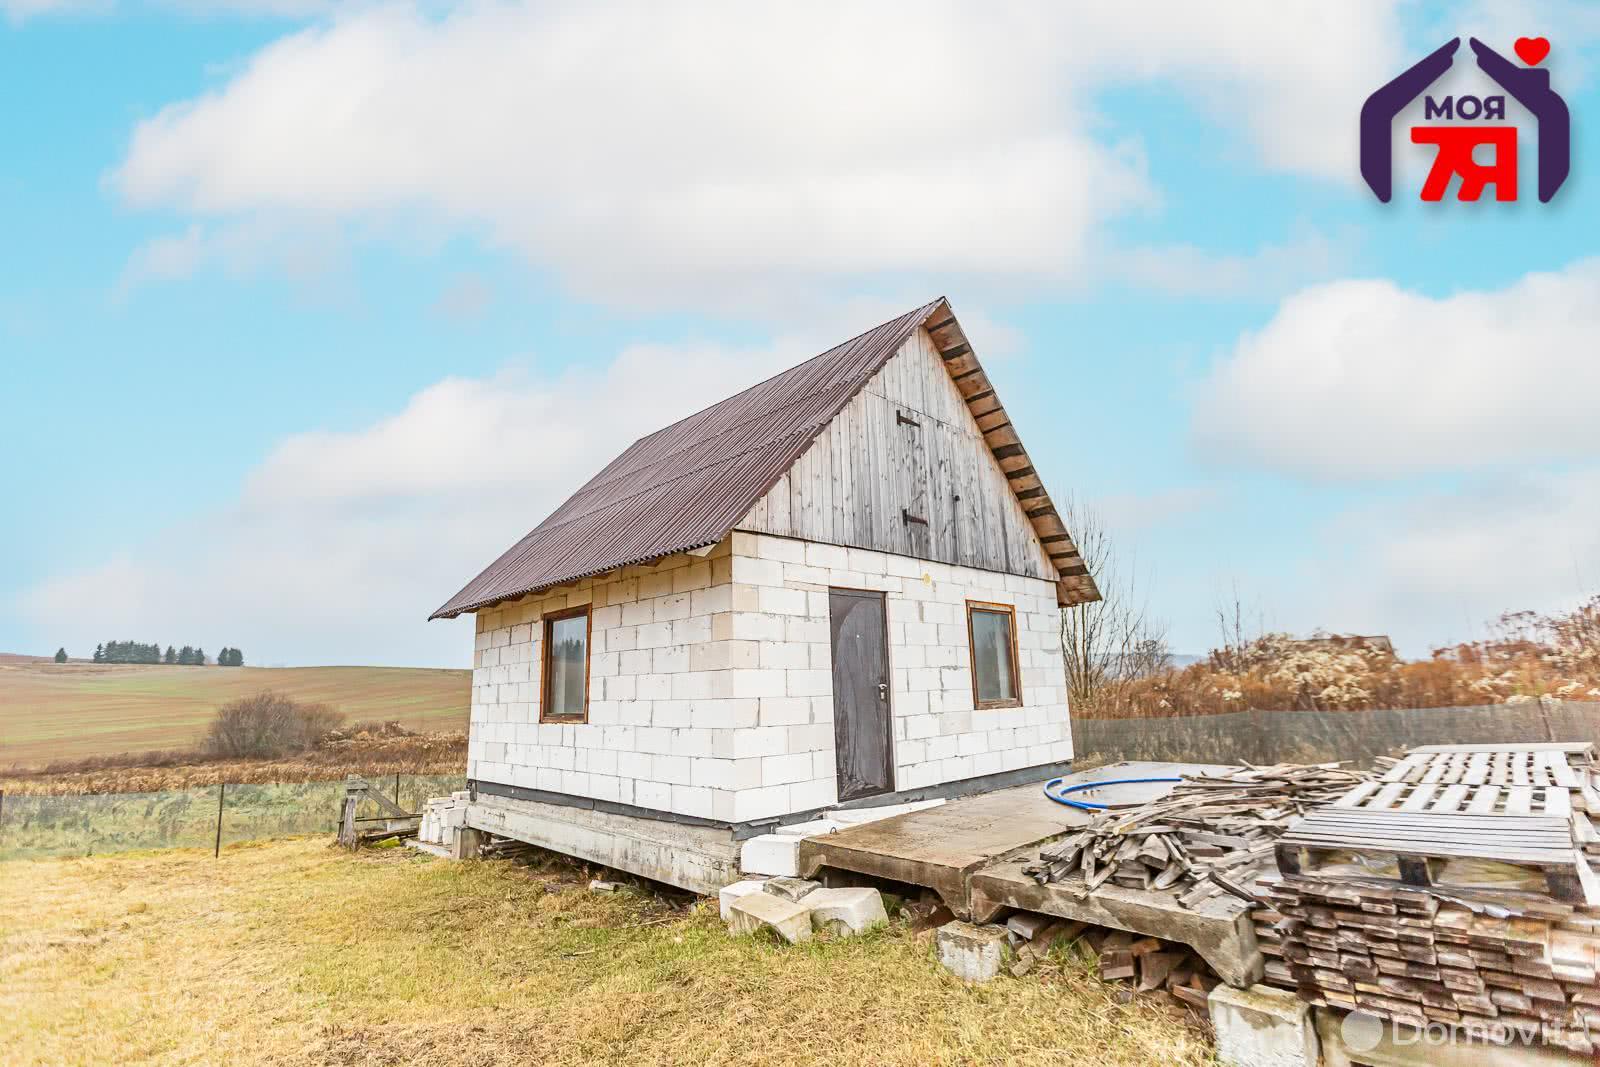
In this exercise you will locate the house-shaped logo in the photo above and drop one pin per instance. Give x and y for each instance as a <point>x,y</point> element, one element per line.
<point>1528,86</point>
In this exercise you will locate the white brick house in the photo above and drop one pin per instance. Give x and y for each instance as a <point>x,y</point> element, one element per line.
<point>842,586</point>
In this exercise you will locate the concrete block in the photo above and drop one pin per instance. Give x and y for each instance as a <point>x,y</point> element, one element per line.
<point>730,893</point>
<point>1263,1027</point>
<point>464,843</point>
<point>972,953</point>
<point>847,911</point>
<point>789,919</point>
<point>775,854</point>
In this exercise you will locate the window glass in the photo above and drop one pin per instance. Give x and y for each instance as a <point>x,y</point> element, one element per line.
<point>991,656</point>
<point>566,664</point>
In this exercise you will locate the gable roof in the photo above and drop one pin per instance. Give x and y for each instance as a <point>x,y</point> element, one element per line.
<point>686,486</point>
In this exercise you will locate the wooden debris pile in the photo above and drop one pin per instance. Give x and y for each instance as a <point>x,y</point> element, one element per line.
<point>1416,955</point>
<point>506,848</point>
<point>1148,964</point>
<point>1211,834</point>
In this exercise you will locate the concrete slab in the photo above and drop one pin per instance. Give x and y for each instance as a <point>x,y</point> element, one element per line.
<point>857,816</point>
<point>809,829</point>
<point>939,846</point>
<point>1262,1027</point>
<point>1219,929</point>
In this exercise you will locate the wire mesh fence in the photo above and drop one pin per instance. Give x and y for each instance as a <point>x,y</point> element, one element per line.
<point>35,827</point>
<point>1265,737</point>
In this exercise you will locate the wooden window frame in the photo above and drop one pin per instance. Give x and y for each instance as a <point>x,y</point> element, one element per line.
<point>546,621</point>
<point>972,655</point>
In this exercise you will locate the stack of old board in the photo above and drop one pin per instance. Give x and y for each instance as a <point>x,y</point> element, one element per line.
<point>1211,834</point>
<point>1417,955</point>
<point>1454,889</point>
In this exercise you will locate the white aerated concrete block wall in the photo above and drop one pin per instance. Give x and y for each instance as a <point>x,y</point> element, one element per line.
<point>781,603</point>
<point>711,685</point>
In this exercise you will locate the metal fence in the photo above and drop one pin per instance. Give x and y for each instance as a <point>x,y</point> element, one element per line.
<point>33,827</point>
<point>1320,736</point>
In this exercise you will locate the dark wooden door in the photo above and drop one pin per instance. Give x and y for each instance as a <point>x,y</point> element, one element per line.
<point>861,726</point>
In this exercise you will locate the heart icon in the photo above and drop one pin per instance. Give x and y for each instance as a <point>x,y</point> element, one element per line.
<point>1532,50</point>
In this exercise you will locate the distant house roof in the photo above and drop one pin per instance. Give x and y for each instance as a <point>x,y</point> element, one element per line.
<point>688,485</point>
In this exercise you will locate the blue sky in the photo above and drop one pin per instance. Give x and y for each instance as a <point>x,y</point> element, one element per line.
<point>308,311</point>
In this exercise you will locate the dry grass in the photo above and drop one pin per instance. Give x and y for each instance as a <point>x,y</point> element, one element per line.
<point>376,754</point>
<point>295,953</point>
<point>79,710</point>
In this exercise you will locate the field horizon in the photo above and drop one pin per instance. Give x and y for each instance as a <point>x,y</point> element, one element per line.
<point>75,710</point>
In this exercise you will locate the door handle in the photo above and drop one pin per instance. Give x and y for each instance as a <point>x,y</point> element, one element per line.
<point>883,691</point>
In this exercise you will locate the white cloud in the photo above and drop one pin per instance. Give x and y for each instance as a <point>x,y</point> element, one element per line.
<point>340,543</point>
<point>649,153</point>
<point>1438,567</point>
<point>1363,379</point>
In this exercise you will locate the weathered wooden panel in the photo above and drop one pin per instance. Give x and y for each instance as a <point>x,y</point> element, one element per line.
<point>908,448</point>
<point>861,726</point>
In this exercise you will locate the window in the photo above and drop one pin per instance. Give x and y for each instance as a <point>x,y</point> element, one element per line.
<point>992,633</point>
<point>566,666</point>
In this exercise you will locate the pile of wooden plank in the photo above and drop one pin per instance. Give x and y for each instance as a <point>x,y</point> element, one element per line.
<point>1146,963</point>
<point>1211,834</point>
<point>1418,955</point>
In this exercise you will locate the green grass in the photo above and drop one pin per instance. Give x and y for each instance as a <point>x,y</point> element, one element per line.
<point>71,711</point>
<point>297,953</point>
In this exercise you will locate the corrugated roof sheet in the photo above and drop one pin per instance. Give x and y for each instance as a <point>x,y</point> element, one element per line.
<point>686,486</point>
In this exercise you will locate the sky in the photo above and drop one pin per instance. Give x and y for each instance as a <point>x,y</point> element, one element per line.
<point>308,310</point>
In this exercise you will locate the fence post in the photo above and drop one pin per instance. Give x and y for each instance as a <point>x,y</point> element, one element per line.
<point>222,789</point>
<point>397,773</point>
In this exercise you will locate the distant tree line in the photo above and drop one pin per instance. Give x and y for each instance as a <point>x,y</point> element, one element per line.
<point>138,652</point>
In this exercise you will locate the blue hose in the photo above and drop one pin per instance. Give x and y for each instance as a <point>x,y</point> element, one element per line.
<point>1060,795</point>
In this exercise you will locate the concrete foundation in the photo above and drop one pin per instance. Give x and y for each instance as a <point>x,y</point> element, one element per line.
<point>972,953</point>
<point>1263,1027</point>
<point>701,859</point>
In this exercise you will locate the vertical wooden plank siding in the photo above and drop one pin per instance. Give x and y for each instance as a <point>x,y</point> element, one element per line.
<point>906,444</point>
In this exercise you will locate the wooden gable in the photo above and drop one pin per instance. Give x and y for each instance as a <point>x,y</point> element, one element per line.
<point>923,462</point>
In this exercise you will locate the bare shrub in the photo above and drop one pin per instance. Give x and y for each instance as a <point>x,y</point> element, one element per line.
<point>268,725</point>
<point>1109,644</point>
<point>1527,657</point>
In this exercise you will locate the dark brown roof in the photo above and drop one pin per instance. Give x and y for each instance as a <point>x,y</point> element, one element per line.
<point>687,485</point>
